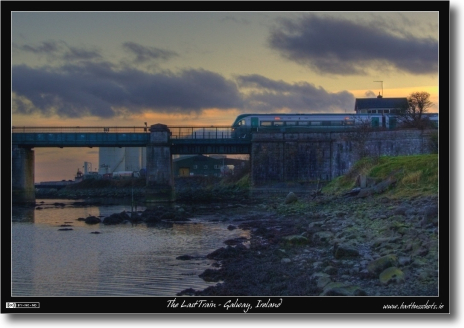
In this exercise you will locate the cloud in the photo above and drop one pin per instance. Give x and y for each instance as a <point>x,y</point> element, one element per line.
<point>239,21</point>
<point>143,53</point>
<point>267,95</point>
<point>54,50</point>
<point>102,90</point>
<point>46,47</point>
<point>105,90</point>
<point>342,47</point>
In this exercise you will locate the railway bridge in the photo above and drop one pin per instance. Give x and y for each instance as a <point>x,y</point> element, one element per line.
<point>276,156</point>
<point>160,141</point>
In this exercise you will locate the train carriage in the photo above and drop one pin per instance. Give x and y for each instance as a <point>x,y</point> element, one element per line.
<point>245,124</point>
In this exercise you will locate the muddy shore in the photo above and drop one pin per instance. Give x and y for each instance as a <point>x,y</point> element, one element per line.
<point>326,245</point>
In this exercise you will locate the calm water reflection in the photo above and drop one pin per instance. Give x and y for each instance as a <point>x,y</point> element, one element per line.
<point>123,260</point>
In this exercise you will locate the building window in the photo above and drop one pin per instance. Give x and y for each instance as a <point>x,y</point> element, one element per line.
<point>195,166</point>
<point>205,167</point>
<point>216,167</point>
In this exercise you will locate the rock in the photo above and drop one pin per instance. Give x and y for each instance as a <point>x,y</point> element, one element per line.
<point>391,275</point>
<point>92,220</point>
<point>322,237</point>
<point>225,253</point>
<point>404,260</point>
<point>400,210</point>
<point>210,275</point>
<point>344,291</point>
<point>353,192</point>
<point>184,257</point>
<point>316,224</point>
<point>330,270</point>
<point>323,281</point>
<point>291,198</point>
<point>296,240</point>
<point>377,266</point>
<point>235,241</point>
<point>431,214</point>
<point>231,227</point>
<point>115,219</point>
<point>344,251</point>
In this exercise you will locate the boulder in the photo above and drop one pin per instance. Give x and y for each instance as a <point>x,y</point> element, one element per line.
<point>345,251</point>
<point>210,275</point>
<point>291,198</point>
<point>296,240</point>
<point>322,237</point>
<point>114,219</point>
<point>382,263</point>
<point>391,275</point>
<point>92,220</point>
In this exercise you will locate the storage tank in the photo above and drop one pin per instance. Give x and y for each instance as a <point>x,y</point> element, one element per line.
<point>111,159</point>
<point>132,159</point>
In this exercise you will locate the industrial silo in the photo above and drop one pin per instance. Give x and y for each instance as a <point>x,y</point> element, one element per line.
<point>143,152</point>
<point>132,159</point>
<point>111,159</point>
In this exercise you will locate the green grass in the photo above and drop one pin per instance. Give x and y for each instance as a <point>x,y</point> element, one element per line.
<point>416,175</point>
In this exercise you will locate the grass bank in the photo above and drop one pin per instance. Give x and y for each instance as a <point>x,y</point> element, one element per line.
<point>415,175</point>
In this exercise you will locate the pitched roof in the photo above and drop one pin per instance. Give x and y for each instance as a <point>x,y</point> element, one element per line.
<point>366,103</point>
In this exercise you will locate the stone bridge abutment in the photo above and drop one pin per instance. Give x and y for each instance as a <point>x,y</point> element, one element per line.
<point>310,157</point>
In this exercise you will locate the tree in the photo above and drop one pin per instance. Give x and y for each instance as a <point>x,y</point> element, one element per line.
<point>418,104</point>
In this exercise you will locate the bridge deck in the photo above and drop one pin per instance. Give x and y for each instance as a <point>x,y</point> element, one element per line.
<point>184,140</point>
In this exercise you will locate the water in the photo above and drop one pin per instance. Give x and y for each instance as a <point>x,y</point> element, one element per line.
<point>123,260</point>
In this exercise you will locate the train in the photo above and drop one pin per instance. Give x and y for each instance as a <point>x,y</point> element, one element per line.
<point>245,124</point>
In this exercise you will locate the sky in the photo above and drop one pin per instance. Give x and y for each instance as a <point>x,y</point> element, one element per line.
<point>205,68</point>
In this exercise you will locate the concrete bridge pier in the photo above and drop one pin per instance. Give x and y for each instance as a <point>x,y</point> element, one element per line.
<point>22,175</point>
<point>160,182</point>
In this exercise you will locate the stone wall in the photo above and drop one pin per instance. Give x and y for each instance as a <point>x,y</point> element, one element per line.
<point>308,157</point>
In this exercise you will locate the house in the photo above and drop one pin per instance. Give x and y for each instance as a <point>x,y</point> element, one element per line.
<point>196,165</point>
<point>379,105</point>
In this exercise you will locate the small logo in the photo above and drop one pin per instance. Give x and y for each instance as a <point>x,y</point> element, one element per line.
<point>24,305</point>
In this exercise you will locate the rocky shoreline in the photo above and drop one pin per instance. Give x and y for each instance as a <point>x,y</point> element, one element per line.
<point>328,246</point>
<point>311,244</point>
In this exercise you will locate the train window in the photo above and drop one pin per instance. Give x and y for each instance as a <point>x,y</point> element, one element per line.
<point>304,123</point>
<point>336,123</point>
<point>242,122</point>
<point>349,122</point>
<point>326,123</point>
<point>316,123</point>
<point>279,123</point>
<point>291,123</point>
<point>265,123</point>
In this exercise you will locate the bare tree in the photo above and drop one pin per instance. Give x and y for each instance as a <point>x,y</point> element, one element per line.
<point>412,115</point>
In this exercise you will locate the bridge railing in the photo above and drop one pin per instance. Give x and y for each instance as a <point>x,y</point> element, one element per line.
<point>192,132</point>
<point>122,132</point>
<point>80,129</point>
